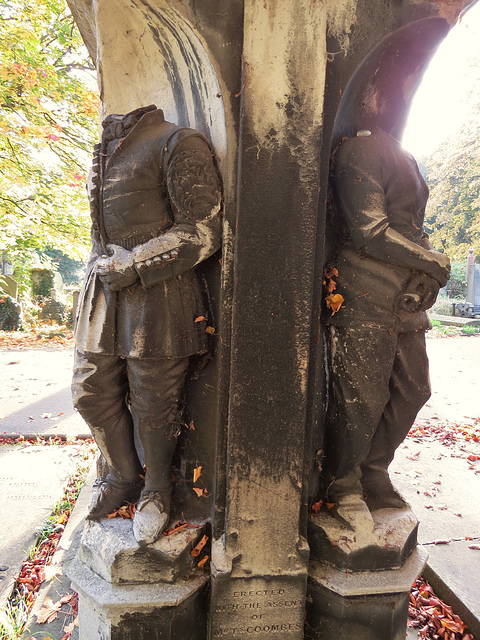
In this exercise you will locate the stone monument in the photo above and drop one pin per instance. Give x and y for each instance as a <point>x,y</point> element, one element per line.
<point>270,85</point>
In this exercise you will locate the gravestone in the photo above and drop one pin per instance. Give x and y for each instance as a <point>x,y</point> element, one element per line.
<point>263,82</point>
<point>473,284</point>
<point>9,286</point>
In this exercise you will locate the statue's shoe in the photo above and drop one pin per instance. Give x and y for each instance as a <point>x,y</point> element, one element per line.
<point>352,511</point>
<point>383,497</point>
<point>151,516</point>
<point>109,496</point>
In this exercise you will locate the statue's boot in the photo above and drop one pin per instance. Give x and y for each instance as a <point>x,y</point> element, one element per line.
<point>349,506</point>
<point>378,489</point>
<point>109,495</point>
<point>153,509</point>
<point>124,481</point>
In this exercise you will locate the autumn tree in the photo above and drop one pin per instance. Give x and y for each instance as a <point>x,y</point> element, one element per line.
<point>452,173</point>
<point>48,116</point>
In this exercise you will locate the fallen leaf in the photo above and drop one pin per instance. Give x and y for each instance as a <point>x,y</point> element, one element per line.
<point>210,330</point>
<point>474,546</point>
<point>200,319</point>
<point>45,415</point>
<point>201,493</point>
<point>198,548</point>
<point>317,506</point>
<point>334,302</point>
<point>49,611</point>
<point>202,562</point>
<point>70,627</point>
<point>451,625</point>
<point>441,542</point>
<point>197,472</point>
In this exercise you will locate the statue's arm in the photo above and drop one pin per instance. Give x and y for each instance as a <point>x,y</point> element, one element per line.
<point>359,179</point>
<point>195,195</point>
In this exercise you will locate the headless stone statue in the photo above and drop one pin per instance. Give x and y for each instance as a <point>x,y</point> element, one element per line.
<point>388,275</point>
<point>155,202</point>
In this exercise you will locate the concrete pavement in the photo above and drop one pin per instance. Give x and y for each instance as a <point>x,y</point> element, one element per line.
<point>35,393</point>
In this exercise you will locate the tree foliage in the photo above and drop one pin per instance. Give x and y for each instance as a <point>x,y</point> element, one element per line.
<point>48,115</point>
<point>452,173</point>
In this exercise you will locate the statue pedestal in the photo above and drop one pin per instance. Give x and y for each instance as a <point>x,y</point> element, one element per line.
<point>364,605</point>
<point>359,583</point>
<point>127,591</point>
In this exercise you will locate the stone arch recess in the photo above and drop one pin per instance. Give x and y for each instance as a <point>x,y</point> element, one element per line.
<point>149,54</point>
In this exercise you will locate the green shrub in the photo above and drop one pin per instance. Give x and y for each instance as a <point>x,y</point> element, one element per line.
<point>10,314</point>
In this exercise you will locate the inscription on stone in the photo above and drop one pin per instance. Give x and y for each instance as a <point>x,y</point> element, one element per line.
<point>258,613</point>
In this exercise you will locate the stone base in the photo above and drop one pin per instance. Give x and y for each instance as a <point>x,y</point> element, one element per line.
<point>387,547</point>
<point>363,606</point>
<point>140,612</point>
<point>261,606</point>
<point>110,550</point>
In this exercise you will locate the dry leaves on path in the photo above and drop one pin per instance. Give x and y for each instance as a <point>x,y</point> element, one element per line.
<point>434,619</point>
<point>41,337</point>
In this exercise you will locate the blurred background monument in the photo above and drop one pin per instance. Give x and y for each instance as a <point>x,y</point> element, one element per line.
<point>268,83</point>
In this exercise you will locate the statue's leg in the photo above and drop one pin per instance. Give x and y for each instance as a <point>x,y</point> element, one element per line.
<point>361,360</point>
<point>156,388</point>
<point>99,390</point>
<point>409,390</point>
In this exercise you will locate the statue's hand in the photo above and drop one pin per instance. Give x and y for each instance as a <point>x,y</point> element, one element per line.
<point>117,270</point>
<point>442,273</point>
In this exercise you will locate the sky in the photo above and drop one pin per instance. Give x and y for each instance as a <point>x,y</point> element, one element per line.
<point>450,85</point>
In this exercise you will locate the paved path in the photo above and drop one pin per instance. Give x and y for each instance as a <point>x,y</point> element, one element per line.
<point>35,393</point>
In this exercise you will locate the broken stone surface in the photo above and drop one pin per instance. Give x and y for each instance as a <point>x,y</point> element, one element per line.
<point>392,540</point>
<point>110,550</point>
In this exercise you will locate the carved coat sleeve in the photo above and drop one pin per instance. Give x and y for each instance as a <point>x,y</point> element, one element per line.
<point>194,191</point>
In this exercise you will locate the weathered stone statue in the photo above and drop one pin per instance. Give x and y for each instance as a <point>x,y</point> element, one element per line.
<point>155,202</point>
<point>388,275</point>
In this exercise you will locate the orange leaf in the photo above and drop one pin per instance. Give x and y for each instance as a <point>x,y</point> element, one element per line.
<point>210,330</point>
<point>198,548</point>
<point>334,302</point>
<point>197,472</point>
<point>317,506</point>
<point>49,611</point>
<point>456,627</point>
<point>200,492</point>
<point>202,562</point>
<point>200,319</point>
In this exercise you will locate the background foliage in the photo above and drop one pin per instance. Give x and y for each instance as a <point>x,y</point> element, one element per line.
<point>48,124</point>
<point>452,173</point>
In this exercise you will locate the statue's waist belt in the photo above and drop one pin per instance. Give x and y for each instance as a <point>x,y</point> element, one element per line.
<point>131,241</point>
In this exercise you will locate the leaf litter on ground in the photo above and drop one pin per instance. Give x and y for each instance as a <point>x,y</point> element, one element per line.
<point>431,617</point>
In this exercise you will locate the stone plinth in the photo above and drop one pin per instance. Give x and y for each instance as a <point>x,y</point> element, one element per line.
<point>387,547</point>
<point>144,612</point>
<point>143,592</point>
<point>364,605</point>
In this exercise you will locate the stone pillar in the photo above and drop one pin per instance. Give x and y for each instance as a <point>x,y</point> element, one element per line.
<point>259,569</point>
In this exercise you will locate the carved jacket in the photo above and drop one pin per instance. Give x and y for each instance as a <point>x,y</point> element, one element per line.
<point>153,191</point>
<point>377,185</point>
